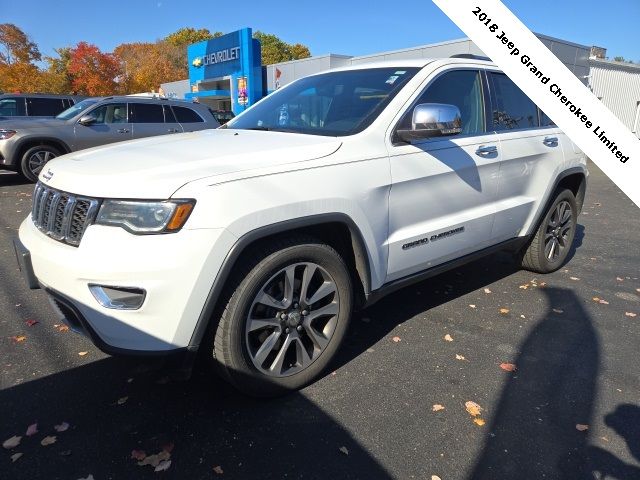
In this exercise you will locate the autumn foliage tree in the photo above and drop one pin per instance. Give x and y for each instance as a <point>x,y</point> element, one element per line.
<point>18,73</point>
<point>93,72</point>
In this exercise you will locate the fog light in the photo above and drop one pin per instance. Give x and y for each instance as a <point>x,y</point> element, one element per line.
<point>119,298</point>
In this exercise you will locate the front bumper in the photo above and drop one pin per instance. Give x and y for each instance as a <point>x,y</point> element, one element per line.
<point>176,270</point>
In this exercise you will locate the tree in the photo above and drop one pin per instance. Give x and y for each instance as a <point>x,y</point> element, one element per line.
<point>187,35</point>
<point>144,66</point>
<point>621,59</point>
<point>16,46</point>
<point>56,78</point>
<point>275,50</point>
<point>93,72</point>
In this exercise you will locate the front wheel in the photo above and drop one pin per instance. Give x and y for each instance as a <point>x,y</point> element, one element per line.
<point>552,242</point>
<point>34,160</point>
<point>285,319</point>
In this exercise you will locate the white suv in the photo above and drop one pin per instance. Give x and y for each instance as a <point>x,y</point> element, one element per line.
<point>255,242</point>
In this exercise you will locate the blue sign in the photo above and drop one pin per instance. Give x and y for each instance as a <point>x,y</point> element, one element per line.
<point>235,56</point>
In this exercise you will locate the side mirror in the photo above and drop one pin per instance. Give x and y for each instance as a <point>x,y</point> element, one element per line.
<point>433,120</point>
<point>87,120</point>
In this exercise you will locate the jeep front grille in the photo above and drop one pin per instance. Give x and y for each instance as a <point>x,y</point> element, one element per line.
<point>62,216</point>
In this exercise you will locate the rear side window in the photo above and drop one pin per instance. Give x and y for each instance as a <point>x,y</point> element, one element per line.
<point>512,109</point>
<point>44,107</point>
<point>186,115</point>
<point>146,113</point>
<point>12,107</point>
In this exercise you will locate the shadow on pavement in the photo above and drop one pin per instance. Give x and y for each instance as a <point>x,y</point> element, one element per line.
<point>10,178</point>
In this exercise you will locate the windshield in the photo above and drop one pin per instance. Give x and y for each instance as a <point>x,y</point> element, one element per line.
<point>76,109</point>
<point>330,104</point>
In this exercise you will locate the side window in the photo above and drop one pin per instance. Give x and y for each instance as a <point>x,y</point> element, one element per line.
<point>462,88</point>
<point>12,107</point>
<point>44,107</point>
<point>110,113</point>
<point>186,115</point>
<point>146,113</point>
<point>512,109</point>
<point>169,117</point>
<point>546,121</point>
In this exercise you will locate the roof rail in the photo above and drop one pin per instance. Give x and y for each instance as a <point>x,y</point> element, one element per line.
<point>470,56</point>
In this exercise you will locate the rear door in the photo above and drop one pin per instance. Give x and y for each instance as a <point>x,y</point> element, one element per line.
<point>148,119</point>
<point>442,200</point>
<point>111,126</point>
<point>532,153</point>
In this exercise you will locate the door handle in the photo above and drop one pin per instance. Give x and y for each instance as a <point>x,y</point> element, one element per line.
<point>173,130</point>
<point>486,150</point>
<point>123,130</point>
<point>550,141</point>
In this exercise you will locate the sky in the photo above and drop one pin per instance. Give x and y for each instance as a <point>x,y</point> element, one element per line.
<point>350,27</point>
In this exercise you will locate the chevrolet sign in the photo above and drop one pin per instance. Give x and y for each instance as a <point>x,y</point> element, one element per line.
<point>217,57</point>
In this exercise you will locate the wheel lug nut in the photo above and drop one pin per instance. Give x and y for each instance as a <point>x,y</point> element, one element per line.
<point>283,316</point>
<point>299,328</point>
<point>295,305</point>
<point>286,330</point>
<point>305,312</point>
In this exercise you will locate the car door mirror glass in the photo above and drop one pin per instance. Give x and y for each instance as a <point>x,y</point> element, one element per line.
<point>87,120</point>
<point>432,120</point>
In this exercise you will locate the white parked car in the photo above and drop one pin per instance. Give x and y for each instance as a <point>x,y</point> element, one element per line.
<point>258,240</point>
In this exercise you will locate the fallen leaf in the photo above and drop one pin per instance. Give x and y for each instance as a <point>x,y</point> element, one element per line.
<point>603,302</point>
<point>122,401</point>
<point>437,407</point>
<point>581,427</point>
<point>486,290</point>
<point>620,279</point>
<point>630,314</point>
<point>163,465</point>
<point>508,367</point>
<point>435,477</point>
<point>396,339</point>
<point>62,328</point>
<point>344,450</point>
<point>31,323</point>
<point>50,440</point>
<point>543,284</point>
<point>574,278</point>
<point>16,456</point>
<point>18,338</point>
<point>218,469</point>
<point>473,408</point>
<point>557,310</point>
<point>82,354</point>
<point>504,311</point>
<point>524,287</point>
<point>154,460</point>
<point>138,455</point>
<point>596,299</point>
<point>12,442</point>
<point>472,306</point>
<point>478,421</point>
<point>32,429</point>
<point>448,338</point>
<point>63,427</point>
<point>460,357</point>
<point>522,316</point>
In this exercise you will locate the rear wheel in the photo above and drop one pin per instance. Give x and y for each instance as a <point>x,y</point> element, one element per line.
<point>34,160</point>
<point>286,317</point>
<point>552,242</point>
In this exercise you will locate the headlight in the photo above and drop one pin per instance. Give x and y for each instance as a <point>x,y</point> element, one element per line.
<point>145,216</point>
<point>6,134</point>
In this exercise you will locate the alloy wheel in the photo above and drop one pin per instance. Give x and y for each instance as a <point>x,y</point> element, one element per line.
<point>38,159</point>
<point>558,232</point>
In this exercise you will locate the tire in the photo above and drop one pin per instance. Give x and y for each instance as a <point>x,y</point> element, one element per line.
<point>551,244</point>
<point>266,328</point>
<point>34,159</point>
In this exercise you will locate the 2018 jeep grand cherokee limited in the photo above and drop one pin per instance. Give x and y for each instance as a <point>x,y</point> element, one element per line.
<point>255,242</point>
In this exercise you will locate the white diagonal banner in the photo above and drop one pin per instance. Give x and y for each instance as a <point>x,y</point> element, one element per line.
<point>553,87</point>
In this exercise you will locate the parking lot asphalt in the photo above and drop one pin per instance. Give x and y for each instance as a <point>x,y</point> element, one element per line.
<point>394,404</point>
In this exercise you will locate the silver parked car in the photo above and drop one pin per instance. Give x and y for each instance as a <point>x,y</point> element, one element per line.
<point>26,146</point>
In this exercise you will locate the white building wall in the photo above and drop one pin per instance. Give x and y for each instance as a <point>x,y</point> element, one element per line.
<point>618,86</point>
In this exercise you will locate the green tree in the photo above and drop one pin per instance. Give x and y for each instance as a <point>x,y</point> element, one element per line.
<point>275,50</point>
<point>56,78</point>
<point>187,35</point>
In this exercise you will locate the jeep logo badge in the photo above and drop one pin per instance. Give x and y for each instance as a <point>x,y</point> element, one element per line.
<point>47,175</point>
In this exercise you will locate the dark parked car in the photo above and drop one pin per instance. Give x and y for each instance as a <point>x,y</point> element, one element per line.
<point>26,146</point>
<point>34,105</point>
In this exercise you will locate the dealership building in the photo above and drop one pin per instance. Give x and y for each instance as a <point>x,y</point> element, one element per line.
<point>226,72</point>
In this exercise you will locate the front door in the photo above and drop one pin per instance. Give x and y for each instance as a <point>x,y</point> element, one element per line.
<point>111,126</point>
<point>441,204</point>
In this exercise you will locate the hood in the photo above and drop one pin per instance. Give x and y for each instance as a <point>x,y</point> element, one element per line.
<point>156,167</point>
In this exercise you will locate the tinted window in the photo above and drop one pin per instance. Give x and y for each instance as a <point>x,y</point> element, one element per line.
<point>44,107</point>
<point>12,107</point>
<point>545,121</point>
<point>512,108</point>
<point>169,117</point>
<point>331,104</point>
<point>186,115</point>
<point>146,113</point>
<point>111,113</point>
<point>462,88</point>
